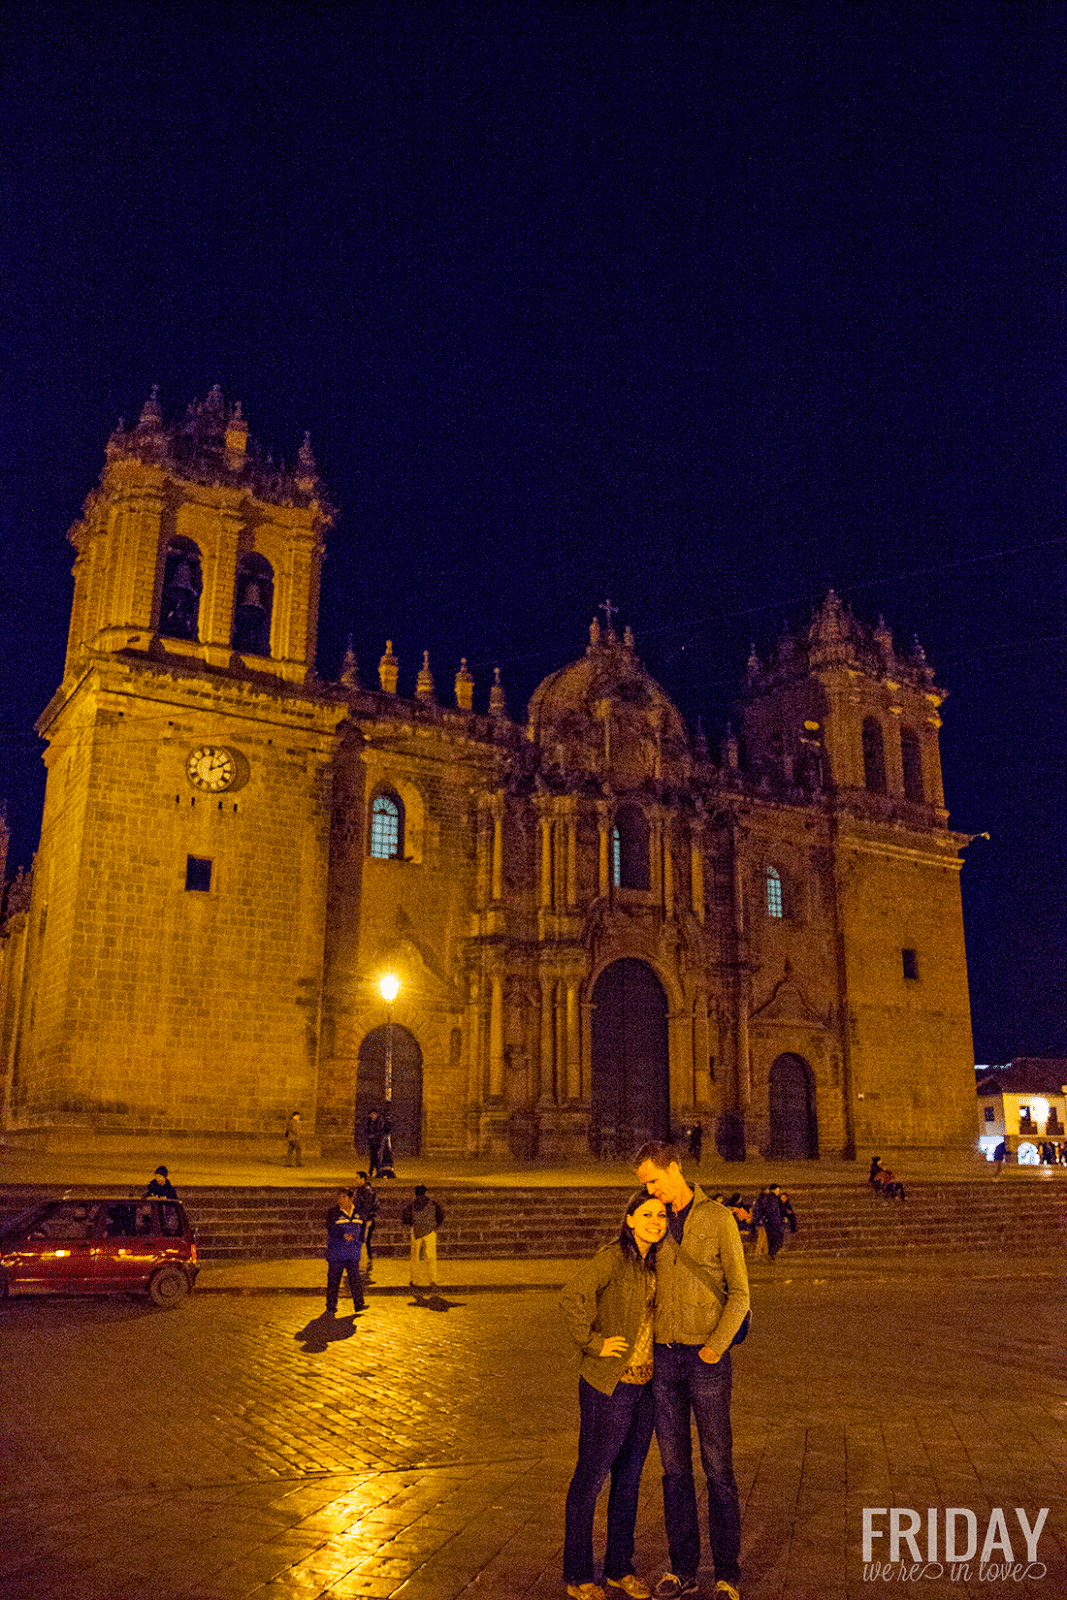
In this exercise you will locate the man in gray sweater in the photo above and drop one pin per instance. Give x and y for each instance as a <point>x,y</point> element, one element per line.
<point>702,1300</point>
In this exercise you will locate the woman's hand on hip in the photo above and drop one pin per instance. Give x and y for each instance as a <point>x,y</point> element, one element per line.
<point>615,1346</point>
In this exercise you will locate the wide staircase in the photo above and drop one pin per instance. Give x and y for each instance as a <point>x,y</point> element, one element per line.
<point>505,1221</point>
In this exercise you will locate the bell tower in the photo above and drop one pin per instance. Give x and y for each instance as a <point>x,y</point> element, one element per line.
<point>836,707</point>
<point>195,545</point>
<point>179,894</point>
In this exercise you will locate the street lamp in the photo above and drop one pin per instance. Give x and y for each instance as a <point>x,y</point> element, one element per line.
<point>389,987</point>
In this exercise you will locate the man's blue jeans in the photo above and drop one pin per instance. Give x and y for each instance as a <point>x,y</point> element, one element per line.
<point>684,1384</point>
<point>614,1436</point>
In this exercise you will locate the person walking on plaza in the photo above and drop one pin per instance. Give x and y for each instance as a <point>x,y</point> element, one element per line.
<point>767,1223</point>
<point>344,1236</point>
<point>608,1306</point>
<point>367,1206</point>
<point>160,1187</point>
<point>423,1217</point>
<point>702,1301</point>
<point>294,1156</point>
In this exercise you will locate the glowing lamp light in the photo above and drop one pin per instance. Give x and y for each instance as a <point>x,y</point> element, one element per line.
<point>389,985</point>
<point>1039,1110</point>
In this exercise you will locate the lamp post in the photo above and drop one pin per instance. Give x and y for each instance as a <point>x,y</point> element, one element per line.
<point>389,986</point>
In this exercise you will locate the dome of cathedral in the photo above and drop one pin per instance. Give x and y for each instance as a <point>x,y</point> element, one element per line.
<point>605,712</point>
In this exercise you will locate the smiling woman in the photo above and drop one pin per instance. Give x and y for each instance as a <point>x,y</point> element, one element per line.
<point>608,1305</point>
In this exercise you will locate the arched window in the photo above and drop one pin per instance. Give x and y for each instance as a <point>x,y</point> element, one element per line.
<point>253,602</point>
<point>616,859</point>
<point>179,608</point>
<point>775,904</point>
<point>630,848</point>
<point>873,755</point>
<point>911,761</point>
<point>387,827</point>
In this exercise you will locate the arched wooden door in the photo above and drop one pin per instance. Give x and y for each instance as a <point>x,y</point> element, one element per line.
<point>405,1107</point>
<point>794,1131</point>
<point>630,1099</point>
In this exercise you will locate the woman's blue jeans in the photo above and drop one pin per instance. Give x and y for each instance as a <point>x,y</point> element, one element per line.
<point>614,1435</point>
<point>684,1385</point>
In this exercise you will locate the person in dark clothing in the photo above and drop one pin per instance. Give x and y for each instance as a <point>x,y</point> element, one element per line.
<point>367,1207</point>
<point>767,1214</point>
<point>375,1131</point>
<point>789,1216</point>
<point>160,1187</point>
<point>380,1145</point>
<point>344,1238</point>
<point>385,1160</point>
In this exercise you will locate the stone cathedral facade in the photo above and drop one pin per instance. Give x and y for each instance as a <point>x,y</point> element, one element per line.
<point>600,931</point>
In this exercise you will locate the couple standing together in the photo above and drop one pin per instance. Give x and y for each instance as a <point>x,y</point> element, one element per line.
<point>654,1315</point>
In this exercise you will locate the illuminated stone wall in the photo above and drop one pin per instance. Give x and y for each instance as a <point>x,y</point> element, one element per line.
<point>535,856</point>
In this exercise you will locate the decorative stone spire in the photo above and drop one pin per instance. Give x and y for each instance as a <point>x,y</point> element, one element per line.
<point>594,634</point>
<point>424,681</point>
<point>464,687</point>
<point>729,749</point>
<point>498,706</point>
<point>388,669</point>
<point>883,638</point>
<point>236,439</point>
<point>918,656</point>
<point>700,741</point>
<point>307,472</point>
<point>151,419</point>
<point>628,637</point>
<point>349,674</point>
<point>753,663</point>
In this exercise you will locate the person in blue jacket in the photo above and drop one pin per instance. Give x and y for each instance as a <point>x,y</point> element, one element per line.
<point>344,1239</point>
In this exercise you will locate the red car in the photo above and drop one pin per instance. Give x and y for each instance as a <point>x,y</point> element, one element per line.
<point>100,1246</point>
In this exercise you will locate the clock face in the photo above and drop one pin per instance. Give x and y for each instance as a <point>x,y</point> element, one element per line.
<point>211,768</point>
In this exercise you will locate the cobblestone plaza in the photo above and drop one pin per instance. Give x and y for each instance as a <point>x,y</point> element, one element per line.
<point>241,1447</point>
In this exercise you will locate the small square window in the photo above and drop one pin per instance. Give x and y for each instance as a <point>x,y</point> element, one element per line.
<point>911,963</point>
<point>197,874</point>
<point>990,1114</point>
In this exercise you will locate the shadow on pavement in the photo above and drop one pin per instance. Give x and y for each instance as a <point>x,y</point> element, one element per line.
<point>324,1330</point>
<point>57,1311</point>
<point>433,1302</point>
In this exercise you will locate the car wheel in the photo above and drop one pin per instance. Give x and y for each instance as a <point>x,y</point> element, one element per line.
<point>168,1286</point>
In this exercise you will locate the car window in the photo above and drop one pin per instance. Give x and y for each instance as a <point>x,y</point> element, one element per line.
<point>120,1221</point>
<point>21,1224</point>
<point>170,1219</point>
<point>67,1219</point>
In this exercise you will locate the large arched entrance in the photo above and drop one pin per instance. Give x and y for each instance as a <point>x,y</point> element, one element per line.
<point>405,1106</point>
<point>630,1099</point>
<point>794,1131</point>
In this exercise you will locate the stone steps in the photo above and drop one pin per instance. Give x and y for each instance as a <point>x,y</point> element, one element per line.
<point>512,1221</point>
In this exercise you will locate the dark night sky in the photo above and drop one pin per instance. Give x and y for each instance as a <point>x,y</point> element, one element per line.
<point>707,307</point>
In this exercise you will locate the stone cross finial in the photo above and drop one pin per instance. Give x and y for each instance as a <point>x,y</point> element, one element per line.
<point>609,611</point>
